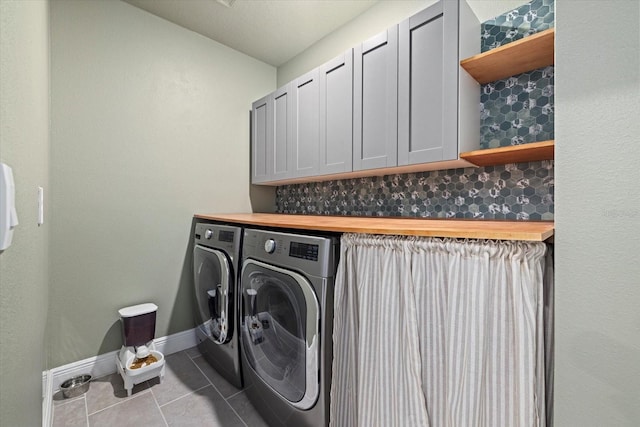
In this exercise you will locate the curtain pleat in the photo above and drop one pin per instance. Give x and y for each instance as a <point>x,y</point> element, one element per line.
<point>441,332</point>
<point>548,336</point>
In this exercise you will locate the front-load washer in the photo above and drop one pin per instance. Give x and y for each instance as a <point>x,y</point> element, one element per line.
<point>286,324</point>
<point>216,258</point>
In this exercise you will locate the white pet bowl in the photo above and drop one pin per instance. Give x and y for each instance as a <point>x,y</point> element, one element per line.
<point>144,369</point>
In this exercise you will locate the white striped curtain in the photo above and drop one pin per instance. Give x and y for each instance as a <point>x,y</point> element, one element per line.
<point>441,332</point>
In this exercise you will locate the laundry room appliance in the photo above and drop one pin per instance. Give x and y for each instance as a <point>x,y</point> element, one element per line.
<point>216,257</point>
<point>286,321</point>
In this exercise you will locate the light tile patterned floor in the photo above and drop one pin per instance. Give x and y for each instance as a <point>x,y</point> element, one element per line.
<point>192,394</point>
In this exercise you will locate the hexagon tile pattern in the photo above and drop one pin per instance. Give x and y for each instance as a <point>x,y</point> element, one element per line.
<point>513,191</point>
<point>519,109</point>
<point>530,18</point>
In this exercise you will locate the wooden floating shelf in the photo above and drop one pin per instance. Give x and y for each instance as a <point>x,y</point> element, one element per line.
<point>456,228</point>
<point>529,53</point>
<point>530,152</point>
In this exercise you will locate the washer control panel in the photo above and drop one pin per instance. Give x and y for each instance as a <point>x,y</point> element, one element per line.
<point>303,251</point>
<point>312,255</point>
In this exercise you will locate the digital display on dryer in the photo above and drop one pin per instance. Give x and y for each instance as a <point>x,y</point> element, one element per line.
<point>225,236</point>
<point>303,251</point>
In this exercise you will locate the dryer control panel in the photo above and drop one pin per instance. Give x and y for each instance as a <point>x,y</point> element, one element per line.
<point>218,236</point>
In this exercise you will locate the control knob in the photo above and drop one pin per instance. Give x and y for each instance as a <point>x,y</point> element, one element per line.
<point>208,234</point>
<point>270,246</point>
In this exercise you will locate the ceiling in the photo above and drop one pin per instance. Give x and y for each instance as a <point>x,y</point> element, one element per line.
<point>273,31</point>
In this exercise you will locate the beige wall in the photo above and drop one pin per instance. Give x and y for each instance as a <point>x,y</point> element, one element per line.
<point>150,124</point>
<point>597,213</point>
<point>374,20</point>
<point>24,145</point>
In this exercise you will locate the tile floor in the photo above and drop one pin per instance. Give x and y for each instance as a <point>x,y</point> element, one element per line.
<point>191,394</point>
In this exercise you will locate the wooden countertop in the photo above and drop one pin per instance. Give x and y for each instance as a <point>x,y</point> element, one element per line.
<point>458,228</point>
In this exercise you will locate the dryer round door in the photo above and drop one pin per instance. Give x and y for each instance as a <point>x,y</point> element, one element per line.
<point>214,293</point>
<point>280,331</point>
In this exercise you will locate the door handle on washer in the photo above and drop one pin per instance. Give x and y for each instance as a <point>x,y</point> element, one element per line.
<point>213,301</point>
<point>252,293</point>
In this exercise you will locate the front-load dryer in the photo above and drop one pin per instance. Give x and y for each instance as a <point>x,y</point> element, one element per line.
<point>216,257</point>
<point>286,325</point>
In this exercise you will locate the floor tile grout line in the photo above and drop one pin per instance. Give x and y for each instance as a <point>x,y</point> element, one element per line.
<point>225,400</point>
<point>194,356</point>
<point>234,394</point>
<point>208,379</point>
<point>236,412</point>
<point>159,408</point>
<point>128,399</point>
<point>63,403</point>
<point>185,395</point>
<point>251,404</point>
<point>86,410</point>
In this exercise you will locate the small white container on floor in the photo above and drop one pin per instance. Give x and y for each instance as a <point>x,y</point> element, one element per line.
<point>138,330</point>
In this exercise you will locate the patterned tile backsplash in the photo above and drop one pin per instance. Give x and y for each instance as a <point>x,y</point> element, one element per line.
<point>514,111</point>
<point>530,18</point>
<point>519,109</point>
<point>514,191</point>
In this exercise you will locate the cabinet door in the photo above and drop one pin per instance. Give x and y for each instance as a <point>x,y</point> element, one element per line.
<point>261,139</point>
<point>428,88</point>
<point>375,94</point>
<point>305,123</point>
<point>336,115</point>
<point>281,163</point>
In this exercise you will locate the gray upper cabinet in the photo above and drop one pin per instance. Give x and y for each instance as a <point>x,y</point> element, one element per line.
<point>397,103</point>
<point>428,85</point>
<point>280,150</point>
<point>272,134</point>
<point>336,115</point>
<point>375,107</point>
<point>305,122</point>
<point>431,103</point>
<point>261,139</point>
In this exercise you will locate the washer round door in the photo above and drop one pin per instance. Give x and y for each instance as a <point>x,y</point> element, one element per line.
<point>214,293</point>
<point>280,331</point>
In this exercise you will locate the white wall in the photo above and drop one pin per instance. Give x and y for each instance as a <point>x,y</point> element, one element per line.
<point>374,20</point>
<point>150,124</point>
<point>24,145</point>
<point>597,213</point>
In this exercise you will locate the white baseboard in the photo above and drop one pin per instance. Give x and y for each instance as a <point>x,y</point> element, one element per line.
<point>176,342</point>
<point>47,399</point>
<point>105,364</point>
